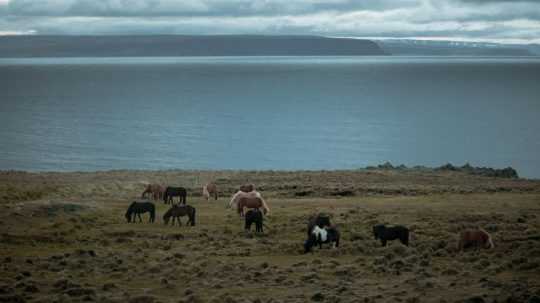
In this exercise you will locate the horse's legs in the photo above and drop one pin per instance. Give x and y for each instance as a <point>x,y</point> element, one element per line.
<point>139,215</point>
<point>383,242</point>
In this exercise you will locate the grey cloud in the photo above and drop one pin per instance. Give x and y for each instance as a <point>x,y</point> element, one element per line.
<point>388,18</point>
<point>164,8</point>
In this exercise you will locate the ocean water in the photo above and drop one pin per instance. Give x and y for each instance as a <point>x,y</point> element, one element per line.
<point>71,114</point>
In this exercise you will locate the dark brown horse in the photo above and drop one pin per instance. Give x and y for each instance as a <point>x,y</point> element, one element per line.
<point>250,203</point>
<point>177,211</point>
<point>171,192</point>
<point>210,189</point>
<point>156,190</point>
<point>136,208</point>
<point>478,238</point>
<point>389,233</point>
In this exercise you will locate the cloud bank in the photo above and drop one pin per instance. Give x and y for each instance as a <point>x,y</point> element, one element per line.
<point>485,20</point>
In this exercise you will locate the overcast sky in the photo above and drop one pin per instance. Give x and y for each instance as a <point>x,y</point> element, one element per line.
<point>478,20</point>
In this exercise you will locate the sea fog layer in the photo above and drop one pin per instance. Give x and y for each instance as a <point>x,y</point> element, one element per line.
<point>268,112</point>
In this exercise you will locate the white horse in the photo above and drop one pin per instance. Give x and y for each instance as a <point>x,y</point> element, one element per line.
<point>210,189</point>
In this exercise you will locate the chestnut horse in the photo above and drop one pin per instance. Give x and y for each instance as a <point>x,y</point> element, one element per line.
<point>474,238</point>
<point>210,189</point>
<point>250,203</point>
<point>155,189</point>
<point>250,195</point>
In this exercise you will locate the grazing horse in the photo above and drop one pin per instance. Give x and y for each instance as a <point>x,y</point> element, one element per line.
<point>250,202</point>
<point>322,235</point>
<point>209,190</point>
<point>156,190</point>
<point>137,208</point>
<point>320,220</point>
<point>252,194</point>
<point>177,211</point>
<point>384,233</point>
<point>171,192</point>
<point>474,238</point>
<point>254,216</point>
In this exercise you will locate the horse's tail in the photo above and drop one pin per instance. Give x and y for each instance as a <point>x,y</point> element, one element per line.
<point>166,217</point>
<point>192,219</point>
<point>152,213</point>
<point>460,241</point>
<point>233,199</point>
<point>265,206</point>
<point>489,239</point>
<point>165,194</point>
<point>205,192</point>
<point>129,211</point>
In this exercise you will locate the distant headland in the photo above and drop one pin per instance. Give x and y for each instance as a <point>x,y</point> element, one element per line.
<point>183,45</point>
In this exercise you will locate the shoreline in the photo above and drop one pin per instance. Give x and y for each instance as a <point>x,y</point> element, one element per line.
<point>382,180</point>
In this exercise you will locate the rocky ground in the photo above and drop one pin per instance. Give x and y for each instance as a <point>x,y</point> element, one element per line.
<point>64,238</point>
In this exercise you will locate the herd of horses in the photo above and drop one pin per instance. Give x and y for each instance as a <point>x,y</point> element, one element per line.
<point>319,228</point>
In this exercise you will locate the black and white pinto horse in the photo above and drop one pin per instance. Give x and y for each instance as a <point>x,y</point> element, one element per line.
<point>319,235</point>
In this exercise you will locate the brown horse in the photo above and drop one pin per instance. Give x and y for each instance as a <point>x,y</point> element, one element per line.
<point>210,189</point>
<point>250,203</point>
<point>250,195</point>
<point>156,190</point>
<point>474,238</point>
<point>179,211</point>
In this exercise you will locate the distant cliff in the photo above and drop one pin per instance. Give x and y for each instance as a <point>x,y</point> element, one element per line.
<point>411,47</point>
<point>181,45</point>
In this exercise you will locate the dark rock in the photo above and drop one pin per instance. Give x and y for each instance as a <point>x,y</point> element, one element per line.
<point>317,297</point>
<point>475,299</point>
<point>534,299</point>
<point>108,286</point>
<point>65,284</point>
<point>142,299</point>
<point>79,292</point>
<point>31,289</point>
<point>12,299</point>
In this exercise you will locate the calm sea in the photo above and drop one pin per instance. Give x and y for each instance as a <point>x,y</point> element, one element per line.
<point>86,114</point>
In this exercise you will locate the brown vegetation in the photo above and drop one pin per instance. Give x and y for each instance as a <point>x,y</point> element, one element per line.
<point>68,240</point>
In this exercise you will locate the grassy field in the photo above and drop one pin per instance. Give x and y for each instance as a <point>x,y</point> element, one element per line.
<point>64,238</point>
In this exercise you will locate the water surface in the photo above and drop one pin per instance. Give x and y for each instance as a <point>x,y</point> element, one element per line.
<point>66,114</point>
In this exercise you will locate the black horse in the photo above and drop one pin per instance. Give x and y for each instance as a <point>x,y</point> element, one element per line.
<point>320,220</point>
<point>171,192</point>
<point>254,216</point>
<point>384,233</point>
<point>137,208</point>
<point>319,235</point>
<point>179,211</point>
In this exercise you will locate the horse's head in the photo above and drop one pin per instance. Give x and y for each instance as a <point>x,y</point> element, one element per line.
<point>377,229</point>
<point>310,242</point>
<point>322,220</point>
<point>166,218</point>
<point>247,188</point>
<point>128,216</point>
